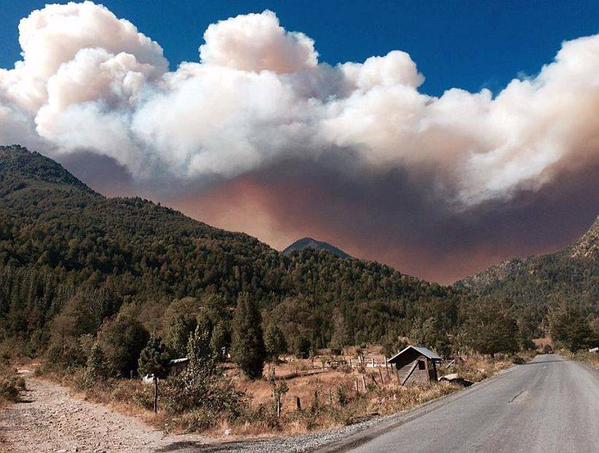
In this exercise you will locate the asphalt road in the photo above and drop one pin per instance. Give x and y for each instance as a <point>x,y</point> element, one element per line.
<point>548,405</point>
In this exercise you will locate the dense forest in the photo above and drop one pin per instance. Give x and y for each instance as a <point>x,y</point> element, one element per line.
<point>66,249</point>
<point>77,268</point>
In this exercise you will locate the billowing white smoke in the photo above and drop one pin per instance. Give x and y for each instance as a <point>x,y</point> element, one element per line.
<point>89,80</point>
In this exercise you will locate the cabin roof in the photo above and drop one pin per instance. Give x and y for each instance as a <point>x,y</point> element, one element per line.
<point>177,361</point>
<point>420,349</point>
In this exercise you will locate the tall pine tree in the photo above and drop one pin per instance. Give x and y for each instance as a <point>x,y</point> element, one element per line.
<point>247,348</point>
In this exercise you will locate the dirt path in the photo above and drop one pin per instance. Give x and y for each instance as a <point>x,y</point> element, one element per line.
<point>51,419</point>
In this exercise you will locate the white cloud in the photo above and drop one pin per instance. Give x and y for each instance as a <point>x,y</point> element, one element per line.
<point>258,94</point>
<point>257,42</point>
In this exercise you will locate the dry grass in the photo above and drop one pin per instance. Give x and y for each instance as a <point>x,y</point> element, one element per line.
<point>591,358</point>
<point>328,397</point>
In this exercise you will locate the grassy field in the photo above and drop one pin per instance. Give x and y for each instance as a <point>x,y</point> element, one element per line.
<point>330,395</point>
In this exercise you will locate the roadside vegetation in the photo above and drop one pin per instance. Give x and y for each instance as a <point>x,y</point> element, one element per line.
<point>12,386</point>
<point>292,396</point>
<point>242,379</point>
<point>592,358</point>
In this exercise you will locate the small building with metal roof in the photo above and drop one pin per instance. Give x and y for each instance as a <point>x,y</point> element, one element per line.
<point>416,365</point>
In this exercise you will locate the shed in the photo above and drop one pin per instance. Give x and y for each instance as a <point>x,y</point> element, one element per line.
<point>416,364</point>
<point>178,365</point>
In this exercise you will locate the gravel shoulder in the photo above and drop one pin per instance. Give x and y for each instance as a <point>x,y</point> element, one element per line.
<point>51,419</point>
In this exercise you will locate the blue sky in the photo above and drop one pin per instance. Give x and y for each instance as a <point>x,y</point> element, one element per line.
<point>465,44</point>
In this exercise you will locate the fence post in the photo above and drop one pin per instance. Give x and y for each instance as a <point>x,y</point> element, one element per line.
<point>155,394</point>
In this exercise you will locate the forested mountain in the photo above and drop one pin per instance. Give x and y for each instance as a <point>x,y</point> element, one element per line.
<point>570,275</point>
<point>309,243</point>
<point>72,259</point>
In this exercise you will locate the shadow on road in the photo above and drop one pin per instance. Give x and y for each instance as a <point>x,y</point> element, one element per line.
<point>183,445</point>
<point>543,362</point>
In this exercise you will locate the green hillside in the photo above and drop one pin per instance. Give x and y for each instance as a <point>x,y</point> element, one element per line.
<point>70,256</point>
<point>569,275</point>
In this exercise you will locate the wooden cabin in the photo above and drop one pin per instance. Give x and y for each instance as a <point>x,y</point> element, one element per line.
<point>416,365</point>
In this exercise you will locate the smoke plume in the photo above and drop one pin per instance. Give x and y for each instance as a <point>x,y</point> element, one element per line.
<point>354,152</point>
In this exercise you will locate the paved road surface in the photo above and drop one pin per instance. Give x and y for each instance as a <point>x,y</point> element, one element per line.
<point>548,405</point>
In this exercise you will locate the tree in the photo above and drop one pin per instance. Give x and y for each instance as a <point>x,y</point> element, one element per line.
<point>122,341</point>
<point>154,361</point>
<point>491,329</point>
<point>569,327</point>
<point>341,334</point>
<point>247,348</point>
<point>193,386</point>
<point>202,359</point>
<point>279,389</point>
<point>220,339</point>
<point>96,364</point>
<point>430,333</point>
<point>179,323</point>
<point>274,341</point>
<point>201,384</point>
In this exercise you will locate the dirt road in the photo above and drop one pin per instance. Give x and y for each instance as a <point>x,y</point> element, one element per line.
<point>51,419</point>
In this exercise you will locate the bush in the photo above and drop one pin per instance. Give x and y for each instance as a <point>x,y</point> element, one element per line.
<point>65,354</point>
<point>96,365</point>
<point>11,385</point>
<point>343,397</point>
<point>517,360</point>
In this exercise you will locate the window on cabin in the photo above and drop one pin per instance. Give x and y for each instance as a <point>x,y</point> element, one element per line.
<point>421,365</point>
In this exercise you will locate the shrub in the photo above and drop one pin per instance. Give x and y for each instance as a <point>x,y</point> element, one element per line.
<point>343,397</point>
<point>517,360</point>
<point>65,354</point>
<point>11,385</point>
<point>96,364</point>
<point>200,386</point>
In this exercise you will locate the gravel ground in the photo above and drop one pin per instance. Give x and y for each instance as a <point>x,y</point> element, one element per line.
<point>51,419</point>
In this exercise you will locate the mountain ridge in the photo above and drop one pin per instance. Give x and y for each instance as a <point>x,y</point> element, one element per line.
<point>65,249</point>
<point>570,274</point>
<point>308,242</point>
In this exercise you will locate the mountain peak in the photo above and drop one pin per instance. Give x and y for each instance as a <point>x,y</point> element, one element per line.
<point>20,163</point>
<point>310,243</point>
